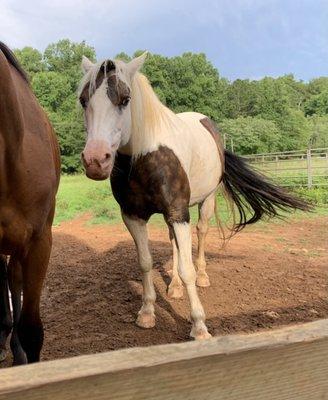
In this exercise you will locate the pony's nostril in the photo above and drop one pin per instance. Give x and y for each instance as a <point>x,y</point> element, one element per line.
<point>107,156</point>
<point>83,157</point>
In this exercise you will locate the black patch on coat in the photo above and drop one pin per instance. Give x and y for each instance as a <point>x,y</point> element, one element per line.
<point>153,183</point>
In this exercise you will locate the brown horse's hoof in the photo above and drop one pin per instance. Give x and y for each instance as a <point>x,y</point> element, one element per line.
<point>3,355</point>
<point>19,358</point>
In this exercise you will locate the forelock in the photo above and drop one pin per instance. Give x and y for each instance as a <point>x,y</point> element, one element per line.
<point>95,76</point>
<point>116,75</point>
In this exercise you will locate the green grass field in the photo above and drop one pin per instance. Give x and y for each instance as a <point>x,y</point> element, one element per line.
<point>78,195</point>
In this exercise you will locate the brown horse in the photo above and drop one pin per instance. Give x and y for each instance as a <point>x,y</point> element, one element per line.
<point>29,178</point>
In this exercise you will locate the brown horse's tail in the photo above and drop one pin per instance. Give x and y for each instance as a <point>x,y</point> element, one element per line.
<point>253,194</point>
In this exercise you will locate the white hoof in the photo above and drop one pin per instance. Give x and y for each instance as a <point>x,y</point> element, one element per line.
<point>175,291</point>
<point>200,333</point>
<point>146,320</point>
<point>202,280</point>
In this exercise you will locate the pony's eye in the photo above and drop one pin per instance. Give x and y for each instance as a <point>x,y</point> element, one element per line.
<point>83,102</point>
<point>125,102</point>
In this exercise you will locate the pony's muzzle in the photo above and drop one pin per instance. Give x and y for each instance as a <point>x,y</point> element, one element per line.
<point>97,158</point>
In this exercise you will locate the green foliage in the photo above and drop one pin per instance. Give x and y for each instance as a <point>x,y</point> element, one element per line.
<point>295,132</point>
<point>51,89</point>
<point>251,134</point>
<point>318,126</point>
<point>31,60</point>
<point>317,196</point>
<point>271,114</point>
<point>317,104</point>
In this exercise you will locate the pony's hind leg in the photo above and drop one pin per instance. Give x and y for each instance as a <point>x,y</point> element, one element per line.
<point>34,267</point>
<point>206,212</point>
<point>175,289</point>
<point>182,232</point>
<point>138,229</point>
<point>15,286</point>
<point>5,314</point>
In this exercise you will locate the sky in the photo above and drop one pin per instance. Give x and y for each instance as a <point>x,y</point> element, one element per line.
<point>242,38</point>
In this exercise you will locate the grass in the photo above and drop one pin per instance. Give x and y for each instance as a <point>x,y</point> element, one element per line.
<point>79,195</point>
<point>294,172</point>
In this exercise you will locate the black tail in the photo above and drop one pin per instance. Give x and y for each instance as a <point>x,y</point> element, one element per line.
<point>253,193</point>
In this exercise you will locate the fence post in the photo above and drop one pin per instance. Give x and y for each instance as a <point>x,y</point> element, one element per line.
<point>309,168</point>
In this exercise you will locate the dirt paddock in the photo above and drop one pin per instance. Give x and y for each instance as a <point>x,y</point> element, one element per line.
<point>270,275</point>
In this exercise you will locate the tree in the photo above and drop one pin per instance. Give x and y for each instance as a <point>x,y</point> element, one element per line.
<point>51,89</point>
<point>65,57</point>
<point>317,104</point>
<point>31,60</point>
<point>318,127</point>
<point>251,134</point>
<point>294,128</point>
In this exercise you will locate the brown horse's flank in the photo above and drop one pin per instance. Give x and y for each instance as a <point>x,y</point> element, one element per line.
<point>153,183</point>
<point>29,177</point>
<point>117,90</point>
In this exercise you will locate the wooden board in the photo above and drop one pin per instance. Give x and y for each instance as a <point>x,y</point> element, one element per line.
<point>289,363</point>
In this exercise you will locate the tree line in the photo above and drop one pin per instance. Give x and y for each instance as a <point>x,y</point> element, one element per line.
<point>256,116</point>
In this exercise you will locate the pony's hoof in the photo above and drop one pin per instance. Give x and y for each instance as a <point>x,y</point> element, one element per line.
<point>175,291</point>
<point>19,358</point>
<point>200,334</point>
<point>3,355</point>
<point>203,280</point>
<point>146,320</point>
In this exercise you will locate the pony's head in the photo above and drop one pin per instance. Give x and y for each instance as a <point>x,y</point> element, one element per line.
<point>105,94</point>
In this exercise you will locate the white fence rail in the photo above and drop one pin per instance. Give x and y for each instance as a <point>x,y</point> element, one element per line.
<point>305,168</point>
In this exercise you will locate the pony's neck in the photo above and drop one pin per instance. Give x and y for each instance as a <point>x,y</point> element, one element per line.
<point>150,118</point>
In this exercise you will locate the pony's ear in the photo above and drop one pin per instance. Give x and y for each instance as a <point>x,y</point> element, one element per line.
<point>86,64</point>
<point>135,64</point>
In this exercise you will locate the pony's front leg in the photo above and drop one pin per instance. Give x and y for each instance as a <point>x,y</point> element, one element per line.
<point>182,232</point>
<point>175,289</point>
<point>138,229</point>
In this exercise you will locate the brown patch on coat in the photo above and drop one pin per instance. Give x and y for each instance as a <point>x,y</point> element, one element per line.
<point>214,131</point>
<point>153,183</point>
<point>118,91</point>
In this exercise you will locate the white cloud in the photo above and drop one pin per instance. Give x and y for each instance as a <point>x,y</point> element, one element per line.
<point>38,23</point>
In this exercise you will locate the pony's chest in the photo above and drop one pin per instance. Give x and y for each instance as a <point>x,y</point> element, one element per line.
<point>153,183</point>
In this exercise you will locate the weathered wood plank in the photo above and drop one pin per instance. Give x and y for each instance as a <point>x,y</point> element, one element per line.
<point>290,363</point>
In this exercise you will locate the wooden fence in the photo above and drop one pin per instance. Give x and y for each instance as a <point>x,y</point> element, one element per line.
<point>295,168</point>
<point>285,364</point>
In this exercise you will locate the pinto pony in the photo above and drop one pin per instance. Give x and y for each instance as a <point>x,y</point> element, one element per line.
<point>162,162</point>
<point>29,177</point>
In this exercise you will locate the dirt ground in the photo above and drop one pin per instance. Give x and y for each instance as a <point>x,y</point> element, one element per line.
<point>269,275</point>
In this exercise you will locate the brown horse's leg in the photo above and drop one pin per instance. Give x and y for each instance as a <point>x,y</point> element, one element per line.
<point>15,286</point>
<point>5,314</point>
<point>34,266</point>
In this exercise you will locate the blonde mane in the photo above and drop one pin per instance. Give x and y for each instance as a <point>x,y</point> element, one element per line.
<point>150,118</point>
